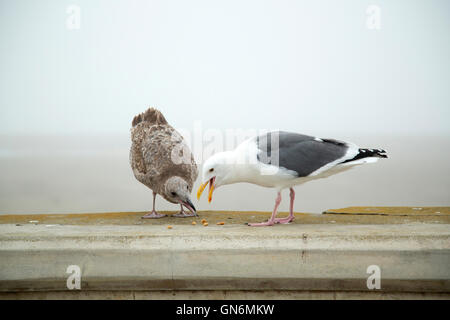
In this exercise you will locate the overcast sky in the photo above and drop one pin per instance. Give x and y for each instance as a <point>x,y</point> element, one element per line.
<point>319,67</point>
<point>305,66</point>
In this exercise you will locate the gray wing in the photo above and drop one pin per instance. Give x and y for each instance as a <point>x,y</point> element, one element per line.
<point>184,165</point>
<point>297,152</point>
<point>154,153</point>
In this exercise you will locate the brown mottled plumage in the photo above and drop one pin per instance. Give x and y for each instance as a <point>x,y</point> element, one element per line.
<point>161,160</point>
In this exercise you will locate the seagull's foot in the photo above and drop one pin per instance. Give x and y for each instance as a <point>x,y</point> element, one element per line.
<point>184,214</point>
<point>153,215</point>
<point>261,224</point>
<point>284,220</point>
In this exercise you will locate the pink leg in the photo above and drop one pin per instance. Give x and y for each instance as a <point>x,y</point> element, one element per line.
<point>271,221</point>
<point>291,217</point>
<point>184,214</point>
<point>153,214</point>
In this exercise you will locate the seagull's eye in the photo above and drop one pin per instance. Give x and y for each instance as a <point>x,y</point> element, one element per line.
<point>173,194</point>
<point>211,170</point>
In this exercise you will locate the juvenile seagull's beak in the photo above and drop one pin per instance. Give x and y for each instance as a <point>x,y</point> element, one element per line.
<point>188,204</point>
<point>203,186</point>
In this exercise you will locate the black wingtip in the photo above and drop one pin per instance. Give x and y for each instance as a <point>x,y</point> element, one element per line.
<point>366,153</point>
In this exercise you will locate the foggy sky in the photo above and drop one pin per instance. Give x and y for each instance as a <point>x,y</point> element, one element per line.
<point>306,66</point>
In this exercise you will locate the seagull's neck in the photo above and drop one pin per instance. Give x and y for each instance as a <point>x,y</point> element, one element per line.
<point>240,163</point>
<point>229,164</point>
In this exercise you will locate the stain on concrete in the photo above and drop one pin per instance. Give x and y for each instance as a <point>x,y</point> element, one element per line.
<point>393,211</point>
<point>350,216</point>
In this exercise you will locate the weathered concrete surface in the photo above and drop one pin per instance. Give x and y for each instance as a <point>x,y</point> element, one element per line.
<point>393,211</point>
<point>366,215</point>
<point>319,254</point>
<point>221,295</point>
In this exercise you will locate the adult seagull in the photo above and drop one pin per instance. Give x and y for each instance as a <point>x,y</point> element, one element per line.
<point>282,160</point>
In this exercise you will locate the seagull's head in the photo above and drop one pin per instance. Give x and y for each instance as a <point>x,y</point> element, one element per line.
<point>217,171</point>
<point>177,190</point>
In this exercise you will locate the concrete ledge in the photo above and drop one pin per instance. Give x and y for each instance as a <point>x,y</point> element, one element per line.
<point>219,295</point>
<point>331,258</point>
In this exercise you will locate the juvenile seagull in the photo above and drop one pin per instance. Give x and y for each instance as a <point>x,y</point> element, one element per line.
<point>282,160</point>
<point>162,161</point>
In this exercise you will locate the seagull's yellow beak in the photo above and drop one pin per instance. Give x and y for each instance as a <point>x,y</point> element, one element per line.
<point>211,189</point>
<point>203,186</point>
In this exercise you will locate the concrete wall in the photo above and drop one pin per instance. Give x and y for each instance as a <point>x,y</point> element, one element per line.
<point>231,261</point>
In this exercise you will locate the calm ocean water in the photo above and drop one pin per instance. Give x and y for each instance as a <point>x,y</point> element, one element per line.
<point>92,174</point>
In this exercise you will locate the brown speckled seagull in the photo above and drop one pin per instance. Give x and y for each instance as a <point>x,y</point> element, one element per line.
<point>162,161</point>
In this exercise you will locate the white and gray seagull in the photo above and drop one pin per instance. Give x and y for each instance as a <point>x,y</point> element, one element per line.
<point>282,160</point>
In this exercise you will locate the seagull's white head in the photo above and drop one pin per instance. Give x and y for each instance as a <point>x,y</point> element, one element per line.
<point>218,170</point>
